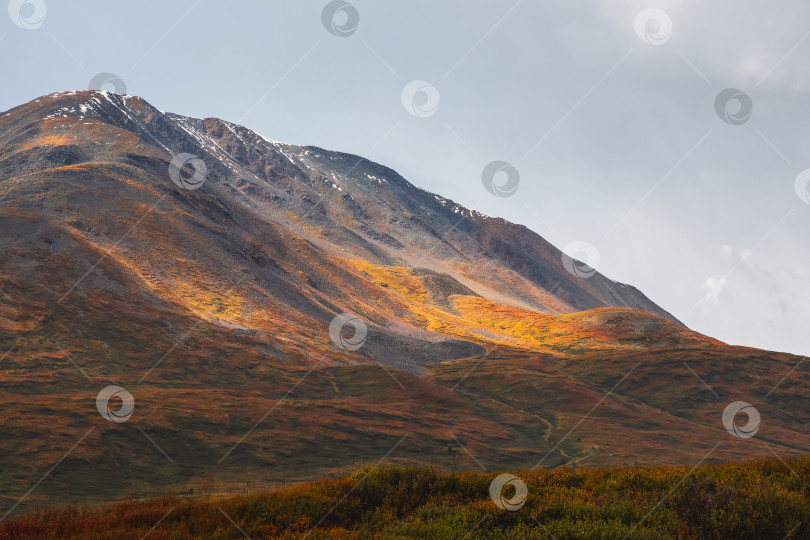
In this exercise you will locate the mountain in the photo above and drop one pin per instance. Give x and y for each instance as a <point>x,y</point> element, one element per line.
<point>313,232</point>
<point>204,268</point>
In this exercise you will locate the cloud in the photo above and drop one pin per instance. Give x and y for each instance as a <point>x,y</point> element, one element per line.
<point>713,288</point>
<point>753,66</point>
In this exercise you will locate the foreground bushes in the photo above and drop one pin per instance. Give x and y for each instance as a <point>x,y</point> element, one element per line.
<point>756,500</point>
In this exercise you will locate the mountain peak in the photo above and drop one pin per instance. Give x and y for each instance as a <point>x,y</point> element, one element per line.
<point>339,207</point>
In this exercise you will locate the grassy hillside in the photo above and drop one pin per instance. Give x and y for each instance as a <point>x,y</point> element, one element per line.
<point>753,500</point>
<point>214,307</point>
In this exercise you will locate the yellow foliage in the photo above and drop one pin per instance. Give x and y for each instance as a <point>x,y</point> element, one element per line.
<point>395,278</point>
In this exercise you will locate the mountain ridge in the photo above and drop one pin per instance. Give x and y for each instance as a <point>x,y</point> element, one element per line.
<point>127,109</point>
<point>222,310</point>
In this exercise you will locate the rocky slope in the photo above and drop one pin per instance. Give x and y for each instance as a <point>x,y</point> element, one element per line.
<point>211,298</point>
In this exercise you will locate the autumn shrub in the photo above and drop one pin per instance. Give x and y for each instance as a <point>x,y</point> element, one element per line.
<point>756,500</point>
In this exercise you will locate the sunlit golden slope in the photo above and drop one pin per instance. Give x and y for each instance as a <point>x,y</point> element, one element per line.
<point>475,318</point>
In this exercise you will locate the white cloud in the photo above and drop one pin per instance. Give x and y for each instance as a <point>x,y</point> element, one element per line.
<point>713,289</point>
<point>753,66</point>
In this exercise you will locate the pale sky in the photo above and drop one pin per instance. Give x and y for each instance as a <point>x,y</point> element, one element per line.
<point>606,111</point>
